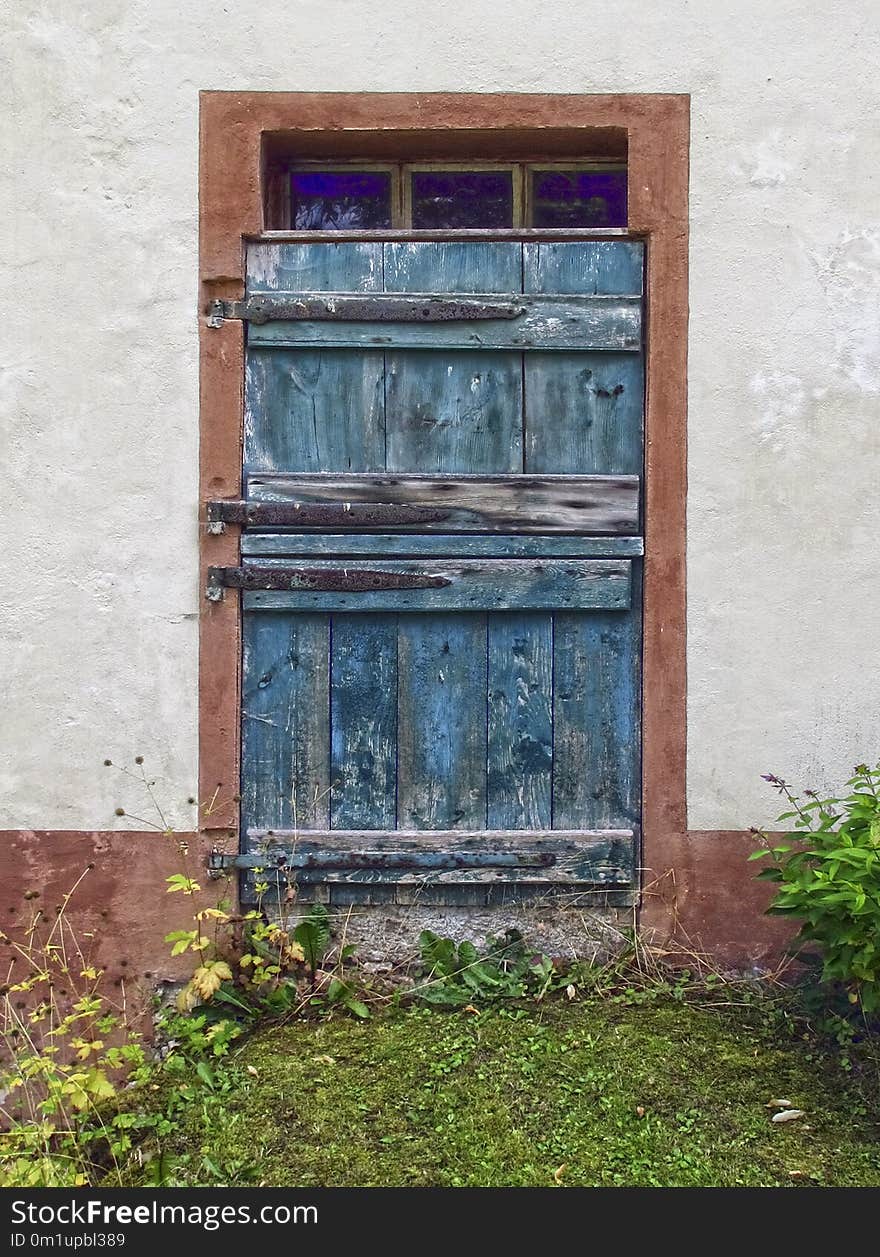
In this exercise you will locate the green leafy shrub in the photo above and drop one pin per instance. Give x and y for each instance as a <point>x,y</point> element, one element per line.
<point>829,877</point>
<point>457,975</point>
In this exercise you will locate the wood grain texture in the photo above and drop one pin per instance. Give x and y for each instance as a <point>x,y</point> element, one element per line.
<point>547,322</point>
<point>473,584</point>
<point>584,413</point>
<point>458,412</point>
<point>314,410</point>
<point>520,721</point>
<point>441,774</point>
<point>596,733</point>
<point>285,721</point>
<point>363,722</point>
<point>307,267</point>
<point>599,268</point>
<point>462,546</point>
<point>447,266</point>
<point>586,504</point>
<point>454,413</point>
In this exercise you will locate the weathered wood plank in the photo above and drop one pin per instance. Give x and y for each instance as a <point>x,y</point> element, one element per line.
<point>314,410</point>
<point>453,413</point>
<point>599,267</point>
<point>363,721</point>
<point>584,413</point>
<point>520,721</point>
<point>337,266</point>
<point>547,323</point>
<point>285,721</point>
<point>449,266</point>
<point>596,739</point>
<point>461,412</point>
<point>441,773</point>
<point>462,546</point>
<point>580,504</point>
<point>469,585</point>
<point>596,858</point>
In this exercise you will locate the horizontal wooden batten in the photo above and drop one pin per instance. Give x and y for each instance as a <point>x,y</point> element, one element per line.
<point>441,585</point>
<point>376,545</point>
<point>521,503</point>
<point>546,322</point>
<point>445,857</point>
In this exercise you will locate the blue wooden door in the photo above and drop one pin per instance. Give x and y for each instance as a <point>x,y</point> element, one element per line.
<point>441,566</point>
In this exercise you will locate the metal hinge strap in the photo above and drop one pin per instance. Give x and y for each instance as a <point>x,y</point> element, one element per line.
<point>316,579</point>
<point>381,308</point>
<point>421,861</point>
<point>320,514</point>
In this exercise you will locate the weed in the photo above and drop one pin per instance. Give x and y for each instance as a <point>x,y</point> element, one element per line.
<point>829,878</point>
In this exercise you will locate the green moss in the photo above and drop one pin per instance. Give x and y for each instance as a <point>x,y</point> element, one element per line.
<point>590,1093</point>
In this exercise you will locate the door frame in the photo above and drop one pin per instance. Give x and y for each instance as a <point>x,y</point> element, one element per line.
<point>232,195</point>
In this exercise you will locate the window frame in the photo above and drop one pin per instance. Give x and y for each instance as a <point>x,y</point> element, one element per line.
<point>401,188</point>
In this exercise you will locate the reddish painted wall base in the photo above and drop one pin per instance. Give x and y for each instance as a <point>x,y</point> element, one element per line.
<point>121,910</point>
<point>706,898</point>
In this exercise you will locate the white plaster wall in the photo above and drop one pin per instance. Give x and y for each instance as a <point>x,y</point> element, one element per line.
<point>99,371</point>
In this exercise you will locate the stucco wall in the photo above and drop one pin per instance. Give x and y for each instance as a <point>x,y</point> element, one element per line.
<point>99,374</point>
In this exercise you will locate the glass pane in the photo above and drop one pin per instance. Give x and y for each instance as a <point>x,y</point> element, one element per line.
<point>340,200</point>
<point>578,198</point>
<point>449,199</point>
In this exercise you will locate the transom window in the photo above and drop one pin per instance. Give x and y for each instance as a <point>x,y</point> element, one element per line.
<point>446,196</point>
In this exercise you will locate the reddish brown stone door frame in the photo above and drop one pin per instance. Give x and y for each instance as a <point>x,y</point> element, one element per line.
<point>655,129</point>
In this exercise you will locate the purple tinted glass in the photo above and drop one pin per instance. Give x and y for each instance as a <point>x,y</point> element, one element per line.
<point>450,199</point>
<point>340,200</point>
<point>579,198</point>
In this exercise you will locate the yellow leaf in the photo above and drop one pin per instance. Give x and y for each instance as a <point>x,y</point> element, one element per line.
<point>296,952</point>
<point>187,999</point>
<point>211,914</point>
<point>207,978</point>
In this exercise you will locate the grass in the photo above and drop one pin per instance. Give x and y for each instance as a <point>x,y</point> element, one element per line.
<point>628,1092</point>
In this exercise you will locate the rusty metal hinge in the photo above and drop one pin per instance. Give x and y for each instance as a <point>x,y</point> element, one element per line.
<point>381,308</point>
<point>319,514</point>
<point>315,579</point>
<point>420,861</point>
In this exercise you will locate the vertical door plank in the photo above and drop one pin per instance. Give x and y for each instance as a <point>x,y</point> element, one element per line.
<point>441,775</point>
<point>584,413</point>
<point>314,410</point>
<point>350,266</point>
<point>450,266</point>
<point>602,268</point>
<point>285,721</point>
<point>455,412</point>
<point>363,718</point>
<point>520,721</point>
<point>596,693</point>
